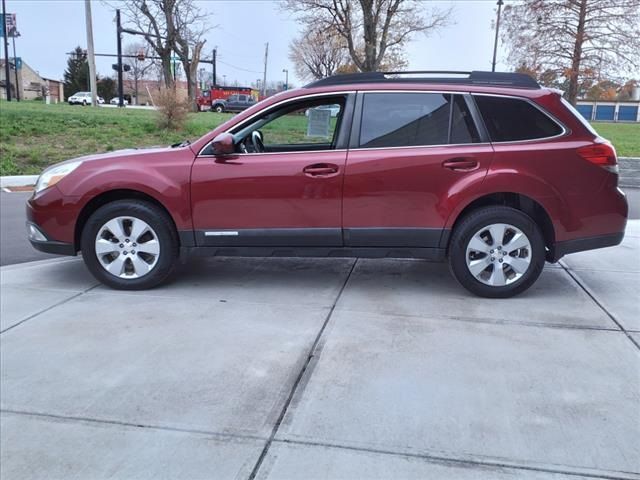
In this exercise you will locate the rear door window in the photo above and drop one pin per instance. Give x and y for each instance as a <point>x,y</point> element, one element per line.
<point>512,119</point>
<point>415,119</point>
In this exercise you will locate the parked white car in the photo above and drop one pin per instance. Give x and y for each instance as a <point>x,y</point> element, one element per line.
<point>115,101</point>
<point>83,98</point>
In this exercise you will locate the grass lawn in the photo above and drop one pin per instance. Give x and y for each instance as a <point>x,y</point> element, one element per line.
<point>624,136</point>
<point>34,135</point>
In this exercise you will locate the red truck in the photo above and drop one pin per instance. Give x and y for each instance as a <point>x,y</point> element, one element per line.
<point>207,97</point>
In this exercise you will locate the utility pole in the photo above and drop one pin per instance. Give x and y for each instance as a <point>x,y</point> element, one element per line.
<point>90,53</point>
<point>286,81</point>
<point>264,76</point>
<point>15,64</point>
<point>120,85</point>
<point>495,42</point>
<point>5,40</point>
<point>213,67</point>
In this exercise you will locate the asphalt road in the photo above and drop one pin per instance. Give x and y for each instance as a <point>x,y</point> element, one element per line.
<point>15,248</point>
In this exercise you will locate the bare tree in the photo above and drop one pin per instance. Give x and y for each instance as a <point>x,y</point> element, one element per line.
<point>150,16</point>
<point>317,54</point>
<point>172,26</point>
<point>369,28</point>
<point>140,65</point>
<point>577,39</point>
<point>190,28</point>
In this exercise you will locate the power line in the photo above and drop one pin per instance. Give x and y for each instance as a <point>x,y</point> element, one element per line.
<point>238,68</point>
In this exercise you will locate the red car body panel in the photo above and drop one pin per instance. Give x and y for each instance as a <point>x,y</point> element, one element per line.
<point>372,188</point>
<point>267,191</point>
<point>407,187</point>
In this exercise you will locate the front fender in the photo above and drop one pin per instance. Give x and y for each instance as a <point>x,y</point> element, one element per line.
<point>165,177</point>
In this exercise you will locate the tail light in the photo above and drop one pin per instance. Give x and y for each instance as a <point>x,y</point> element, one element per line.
<point>602,154</point>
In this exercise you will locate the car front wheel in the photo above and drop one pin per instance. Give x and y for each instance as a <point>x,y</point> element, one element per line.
<point>130,245</point>
<point>497,252</point>
<point>219,108</point>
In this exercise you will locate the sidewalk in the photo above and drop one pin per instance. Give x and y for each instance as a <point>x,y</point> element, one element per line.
<point>280,368</point>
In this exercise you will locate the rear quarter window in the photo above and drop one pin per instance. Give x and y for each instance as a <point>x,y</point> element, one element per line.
<point>512,119</point>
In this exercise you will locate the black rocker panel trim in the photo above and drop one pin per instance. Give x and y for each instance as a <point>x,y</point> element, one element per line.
<point>393,237</point>
<point>434,254</point>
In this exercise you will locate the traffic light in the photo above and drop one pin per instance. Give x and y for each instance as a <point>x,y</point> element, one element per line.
<point>125,67</point>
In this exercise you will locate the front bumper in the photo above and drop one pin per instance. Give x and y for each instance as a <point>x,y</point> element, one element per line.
<point>39,241</point>
<point>51,222</point>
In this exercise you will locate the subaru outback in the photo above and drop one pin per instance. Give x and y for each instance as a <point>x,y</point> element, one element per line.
<point>486,170</point>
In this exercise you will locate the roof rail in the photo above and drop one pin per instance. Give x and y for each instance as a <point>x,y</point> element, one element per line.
<point>497,79</point>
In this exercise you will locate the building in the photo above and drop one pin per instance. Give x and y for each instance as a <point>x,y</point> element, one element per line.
<point>605,111</point>
<point>31,85</point>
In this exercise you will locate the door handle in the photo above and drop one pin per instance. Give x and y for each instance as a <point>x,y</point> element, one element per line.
<point>460,164</point>
<point>320,169</point>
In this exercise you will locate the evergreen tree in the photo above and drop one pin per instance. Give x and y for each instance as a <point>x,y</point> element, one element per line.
<point>107,88</point>
<point>76,76</point>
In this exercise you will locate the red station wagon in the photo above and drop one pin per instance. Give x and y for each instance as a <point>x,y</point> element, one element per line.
<point>487,170</point>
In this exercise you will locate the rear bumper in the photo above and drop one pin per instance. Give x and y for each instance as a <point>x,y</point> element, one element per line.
<point>560,249</point>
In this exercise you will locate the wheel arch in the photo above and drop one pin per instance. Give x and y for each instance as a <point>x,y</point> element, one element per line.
<point>111,196</point>
<point>518,201</point>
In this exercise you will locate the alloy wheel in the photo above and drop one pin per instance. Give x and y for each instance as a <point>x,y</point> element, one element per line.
<point>498,254</point>
<point>127,247</point>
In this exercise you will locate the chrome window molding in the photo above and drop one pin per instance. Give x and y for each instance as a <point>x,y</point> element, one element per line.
<point>249,154</point>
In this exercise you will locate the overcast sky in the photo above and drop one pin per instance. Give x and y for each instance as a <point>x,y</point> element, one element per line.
<point>50,28</point>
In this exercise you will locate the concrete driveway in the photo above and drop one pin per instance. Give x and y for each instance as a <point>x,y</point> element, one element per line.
<point>332,369</point>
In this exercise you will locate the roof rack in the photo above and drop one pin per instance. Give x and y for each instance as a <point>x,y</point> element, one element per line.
<point>496,79</point>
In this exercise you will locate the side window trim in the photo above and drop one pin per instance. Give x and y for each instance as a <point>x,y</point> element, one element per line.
<point>356,130</point>
<point>343,130</point>
<point>477,118</point>
<point>354,139</point>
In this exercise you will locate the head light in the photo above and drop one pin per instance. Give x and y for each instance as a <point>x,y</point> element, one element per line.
<point>54,174</point>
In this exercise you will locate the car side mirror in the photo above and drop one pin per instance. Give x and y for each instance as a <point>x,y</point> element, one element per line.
<point>223,144</point>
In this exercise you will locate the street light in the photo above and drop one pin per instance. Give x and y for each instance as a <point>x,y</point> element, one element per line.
<point>286,81</point>
<point>495,42</point>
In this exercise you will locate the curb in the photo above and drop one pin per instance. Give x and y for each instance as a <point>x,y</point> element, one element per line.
<point>18,181</point>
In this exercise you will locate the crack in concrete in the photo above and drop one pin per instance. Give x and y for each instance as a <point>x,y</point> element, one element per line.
<point>51,307</point>
<point>456,461</point>
<point>597,302</point>
<point>298,381</point>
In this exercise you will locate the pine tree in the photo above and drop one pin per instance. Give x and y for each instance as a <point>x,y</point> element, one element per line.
<point>76,76</point>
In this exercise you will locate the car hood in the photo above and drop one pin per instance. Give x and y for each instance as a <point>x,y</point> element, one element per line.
<point>117,154</point>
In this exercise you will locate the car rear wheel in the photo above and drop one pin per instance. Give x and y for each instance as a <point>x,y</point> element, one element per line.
<point>130,245</point>
<point>497,252</point>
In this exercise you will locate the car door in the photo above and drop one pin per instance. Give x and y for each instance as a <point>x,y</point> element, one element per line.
<point>411,154</point>
<point>288,194</point>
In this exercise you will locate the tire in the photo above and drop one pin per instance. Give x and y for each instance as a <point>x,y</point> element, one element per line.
<point>84,103</point>
<point>218,109</point>
<point>114,261</point>
<point>500,269</point>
